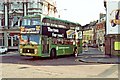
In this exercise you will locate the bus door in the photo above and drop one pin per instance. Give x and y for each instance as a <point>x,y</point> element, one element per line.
<point>45,45</point>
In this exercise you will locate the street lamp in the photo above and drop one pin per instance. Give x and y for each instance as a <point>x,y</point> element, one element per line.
<point>60,12</point>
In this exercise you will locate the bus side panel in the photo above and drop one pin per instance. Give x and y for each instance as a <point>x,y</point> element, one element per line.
<point>63,49</point>
<point>80,46</point>
<point>69,49</point>
<point>58,51</point>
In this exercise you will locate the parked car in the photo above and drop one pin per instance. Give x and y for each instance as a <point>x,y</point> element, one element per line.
<point>3,49</point>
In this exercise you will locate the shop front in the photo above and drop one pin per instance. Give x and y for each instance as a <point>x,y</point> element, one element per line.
<point>1,39</point>
<point>13,41</point>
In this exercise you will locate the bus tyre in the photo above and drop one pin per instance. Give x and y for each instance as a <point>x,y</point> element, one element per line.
<point>53,54</point>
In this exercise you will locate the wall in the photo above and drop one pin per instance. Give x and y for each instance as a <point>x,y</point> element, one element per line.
<point>110,44</point>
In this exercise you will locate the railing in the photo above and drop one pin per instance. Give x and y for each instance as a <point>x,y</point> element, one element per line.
<point>10,29</point>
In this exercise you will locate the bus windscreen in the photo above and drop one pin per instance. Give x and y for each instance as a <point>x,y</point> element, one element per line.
<point>32,39</point>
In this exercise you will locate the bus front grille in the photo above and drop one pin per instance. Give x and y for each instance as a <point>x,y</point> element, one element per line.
<point>28,50</point>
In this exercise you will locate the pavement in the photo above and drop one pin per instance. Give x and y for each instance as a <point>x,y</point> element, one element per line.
<point>9,53</point>
<point>93,55</point>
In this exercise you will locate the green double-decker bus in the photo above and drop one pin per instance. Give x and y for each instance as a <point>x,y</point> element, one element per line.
<point>44,36</point>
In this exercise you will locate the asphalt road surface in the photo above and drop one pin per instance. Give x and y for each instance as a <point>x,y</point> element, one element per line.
<point>15,66</point>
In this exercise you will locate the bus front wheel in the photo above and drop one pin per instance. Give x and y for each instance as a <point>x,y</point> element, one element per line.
<point>53,54</point>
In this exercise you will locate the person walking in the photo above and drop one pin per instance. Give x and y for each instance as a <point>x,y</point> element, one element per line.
<point>75,52</point>
<point>85,46</point>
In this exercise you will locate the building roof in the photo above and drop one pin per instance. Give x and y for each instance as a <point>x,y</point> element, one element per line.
<point>52,18</point>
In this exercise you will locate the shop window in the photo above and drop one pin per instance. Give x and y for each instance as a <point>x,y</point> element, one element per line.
<point>15,41</point>
<point>1,41</point>
<point>9,41</point>
<point>3,22</point>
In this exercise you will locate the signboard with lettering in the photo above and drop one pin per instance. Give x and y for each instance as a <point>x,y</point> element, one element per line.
<point>113,17</point>
<point>70,33</point>
<point>54,32</point>
<point>30,29</point>
<point>57,32</point>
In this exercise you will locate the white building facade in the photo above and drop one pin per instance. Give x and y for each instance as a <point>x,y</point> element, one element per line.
<point>11,11</point>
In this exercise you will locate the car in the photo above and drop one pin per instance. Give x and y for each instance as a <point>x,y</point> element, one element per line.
<point>3,49</point>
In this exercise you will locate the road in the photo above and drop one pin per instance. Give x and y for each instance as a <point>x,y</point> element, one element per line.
<point>15,66</point>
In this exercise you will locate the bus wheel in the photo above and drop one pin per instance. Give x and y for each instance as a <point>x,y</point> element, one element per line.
<point>53,54</point>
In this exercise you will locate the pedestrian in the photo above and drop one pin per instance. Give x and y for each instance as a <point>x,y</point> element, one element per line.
<point>75,52</point>
<point>85,46</point>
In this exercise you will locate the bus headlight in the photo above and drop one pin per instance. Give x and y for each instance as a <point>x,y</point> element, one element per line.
<point>20,50</point>
<point>36,51</point>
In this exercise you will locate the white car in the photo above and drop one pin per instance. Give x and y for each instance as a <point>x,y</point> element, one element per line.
<point>3,49</point>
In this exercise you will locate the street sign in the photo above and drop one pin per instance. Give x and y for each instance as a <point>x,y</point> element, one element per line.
<point>113,17</point>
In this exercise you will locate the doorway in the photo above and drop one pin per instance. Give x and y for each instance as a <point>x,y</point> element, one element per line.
<point>45,45</point>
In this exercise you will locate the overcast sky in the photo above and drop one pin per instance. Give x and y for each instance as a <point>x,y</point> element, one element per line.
<point>82,11</point>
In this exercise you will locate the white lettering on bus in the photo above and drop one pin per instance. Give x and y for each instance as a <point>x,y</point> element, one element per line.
<point>63,47</point>
<point>60,35</point>
<point>54,35</point>
<point>52,30</point>
<point>57,35</point>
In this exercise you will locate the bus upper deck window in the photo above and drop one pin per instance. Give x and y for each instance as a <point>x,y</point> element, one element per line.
<point>35,22</point>
<point>26,22</point>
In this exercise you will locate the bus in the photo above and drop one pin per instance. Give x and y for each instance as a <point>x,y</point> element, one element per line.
<point>44,36</point>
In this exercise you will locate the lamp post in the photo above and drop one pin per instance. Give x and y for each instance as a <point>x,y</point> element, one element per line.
<point>59,13</point>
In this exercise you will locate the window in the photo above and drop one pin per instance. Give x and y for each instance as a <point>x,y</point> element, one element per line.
<point>26,22</point>
<point>1,6</point>
<point>16,5</point>
<point>35,21</point>
<point>33,39</point>
<point>54,41</point>
<point>15,41</point>
<point>1,40</point>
